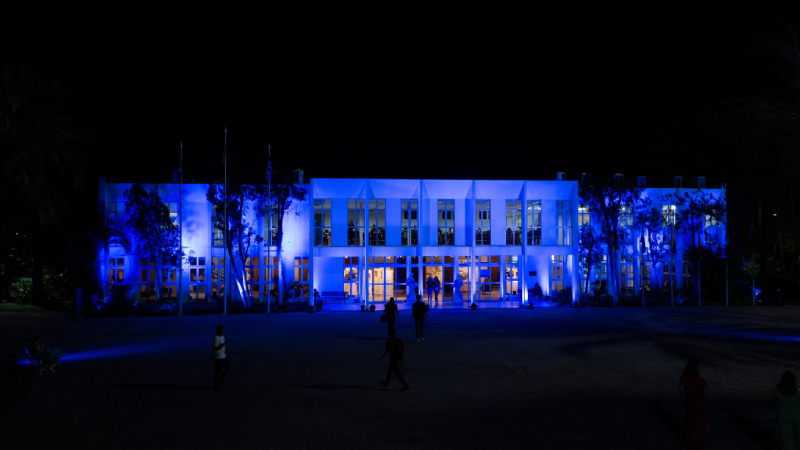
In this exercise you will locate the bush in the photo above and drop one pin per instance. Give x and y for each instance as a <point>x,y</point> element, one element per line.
<point>121,302</point>
<point>21,290</point>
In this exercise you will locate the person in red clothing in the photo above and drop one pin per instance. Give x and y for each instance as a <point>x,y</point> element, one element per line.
<point>695,391</point>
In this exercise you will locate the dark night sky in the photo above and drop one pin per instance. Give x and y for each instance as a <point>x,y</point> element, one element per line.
<point>386,91</point>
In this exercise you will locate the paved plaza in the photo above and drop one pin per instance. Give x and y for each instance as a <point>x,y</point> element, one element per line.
<point>548,378</point>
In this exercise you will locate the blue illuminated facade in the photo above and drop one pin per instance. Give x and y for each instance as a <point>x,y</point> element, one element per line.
<point>357,241</point>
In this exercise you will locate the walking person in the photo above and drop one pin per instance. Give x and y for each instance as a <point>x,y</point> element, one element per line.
<point>221,363</point>
<point>419,311</point>
<point>391,313</point>
<point>429,288</point>
<point>436,285</point>
<point>395,350</point>
<point>786,397</point>
<point>695,391</point>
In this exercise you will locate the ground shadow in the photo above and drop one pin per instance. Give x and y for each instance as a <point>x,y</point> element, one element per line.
<point>671,422</point>
<point>366,338</point>
<point>152,386</point>
<point>339,386</point>
<point>754,431</point>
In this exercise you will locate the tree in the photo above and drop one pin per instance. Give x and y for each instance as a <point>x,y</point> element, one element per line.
<point>716,210</point>
<point>103,240</point>
<point>242,231</point>
<point>653,242</point>
<point>610,199</point>
<point>283,196</point>
<point>156,235</point>
<point>40,158</point>
<point>591,250</point>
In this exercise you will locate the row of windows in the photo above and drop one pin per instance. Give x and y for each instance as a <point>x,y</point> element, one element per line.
<point>409,225</point>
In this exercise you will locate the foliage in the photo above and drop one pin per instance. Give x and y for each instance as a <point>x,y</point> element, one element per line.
<point>17,307</point>
<point>242,233</point>
<point>591,251</point>
<point>121,301</point>
<point>21,291</point>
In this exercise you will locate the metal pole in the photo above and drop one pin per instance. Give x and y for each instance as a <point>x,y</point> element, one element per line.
<point>671,267</point>
<point>269,225</point>
<point>180,239</point>
<point>726,266</point>
<point>753,262</point>
<point>225,215</point>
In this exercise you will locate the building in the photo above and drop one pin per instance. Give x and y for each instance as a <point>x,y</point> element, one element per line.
<point>357,241</point>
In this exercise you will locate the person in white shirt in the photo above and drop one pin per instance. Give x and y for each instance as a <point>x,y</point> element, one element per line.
<point>220,358</point>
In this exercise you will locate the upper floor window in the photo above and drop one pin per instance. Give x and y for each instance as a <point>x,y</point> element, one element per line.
<point>271,225</point>
<point>711,229</point>
<point>513,222</point>
<point>322,222</point>
<point>218,232</point>
<point>625,217</point>
<point>483,215</point>
<point>115,212</point>
<point>584,217</point>
<point>377,222</point>
<point>408,221</point>
<point>534,222</point>
<point>446,214</point>
<point>668,215</point>
<point>564,222</point>
<point>355,221</point>
<point>173,212</point>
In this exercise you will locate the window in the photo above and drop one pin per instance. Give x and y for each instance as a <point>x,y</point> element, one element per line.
<point>513,222</point>
<point>252,276</point>
<point>512,275</point>
<point>626,272</point>
<point>668,215</point>
<point>147,286</point>
<point>409,210</point>
<point>169,282</point>
<point>384,278</point>
<point>626,223</point>
<point>584,275</point>
<point>564,222</point>
<point>115,212</point>
<point>322,223</point>
<point>488,280</point>
<point>443,267</point>
<point>446,212</point>
<point>271,219</point>
<point>271,282</point>
<point>116,271</point>
<point>355,222</point>
<point>556,273</point>
<point>173,212</point>
<point>377,222</point>
<point>197,277</point>
<point>483,215</point>
<point>217,278</point>
<point>669,267</point>
<point>584,217</point>
<point>711,230</point>
<point>301,275</point>
<point>218,230</point>
<point>534,222</point>
<point>351,276</point>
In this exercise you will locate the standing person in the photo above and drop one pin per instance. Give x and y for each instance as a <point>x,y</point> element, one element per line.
<point>394,347</point>
<point>786,396</point>
<point>391,313</point>
<point>436,285</point>
<point>220,358</point>
<point>695,391</point>
<point>419,311</point>
<point>429,287</point>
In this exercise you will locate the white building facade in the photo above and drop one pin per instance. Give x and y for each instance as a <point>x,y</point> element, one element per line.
<point>358,241</point>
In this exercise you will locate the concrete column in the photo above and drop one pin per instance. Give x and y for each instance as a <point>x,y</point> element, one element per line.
<point>310,249</point>
<point>366,237</point>
<point>420,242</point>
<point>523,274</point>
<point>471,222</point>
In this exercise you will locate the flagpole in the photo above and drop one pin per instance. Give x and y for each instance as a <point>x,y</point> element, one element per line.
<point>671,269</point>
<point>269,223</point>
<point>753,261</point>
<point>225,215</point>
<point>180,239</point>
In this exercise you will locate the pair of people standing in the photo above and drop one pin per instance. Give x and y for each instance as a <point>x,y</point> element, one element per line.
<point>432,286</point>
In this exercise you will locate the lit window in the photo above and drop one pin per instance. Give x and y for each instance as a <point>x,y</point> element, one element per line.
<point>584,218</point>
<point>534,222</point>
<point>483,215</point>
<point>446,214</point>
<point>322,223</point>
<point>301,276</point>
<point>556,273</point>
<point>377,222</point>
<point>564,222</point>
<point>355,222</point>
<point>409,225</point>
<point>513,222</point>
